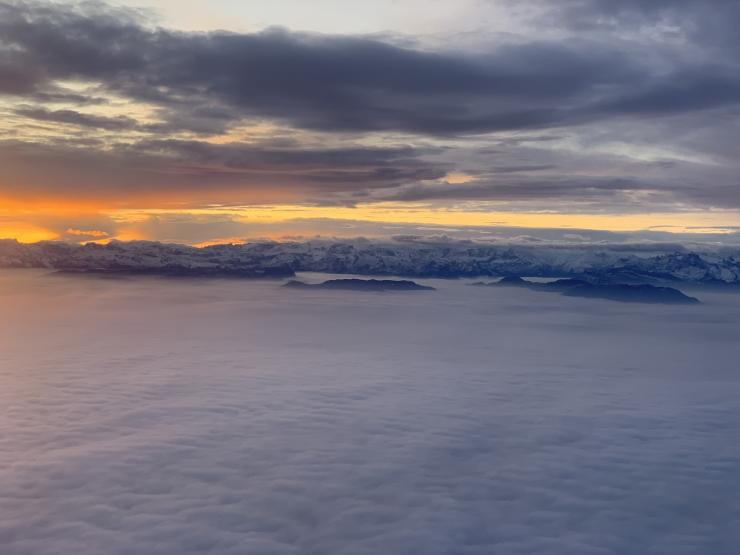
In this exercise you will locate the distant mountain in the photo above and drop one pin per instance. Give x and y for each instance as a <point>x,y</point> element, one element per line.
<point>631,293</point>
<point>143,257</point>
<point>510,281</point>
<point>632,264</point>
<point>362,285</point>
<point>555,285</point>
<point>628,293</point>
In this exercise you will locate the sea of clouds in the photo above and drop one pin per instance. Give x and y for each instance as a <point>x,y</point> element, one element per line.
<point>155,416</point>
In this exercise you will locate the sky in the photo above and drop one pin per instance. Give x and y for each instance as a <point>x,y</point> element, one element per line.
<point>219,121</point>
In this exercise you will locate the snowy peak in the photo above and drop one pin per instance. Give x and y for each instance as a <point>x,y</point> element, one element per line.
<point>652,263</point>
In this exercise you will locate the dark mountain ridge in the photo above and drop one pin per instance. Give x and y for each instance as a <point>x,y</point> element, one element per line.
<point>629,264</point>
<point>354,284</point>
<point>622,292</point>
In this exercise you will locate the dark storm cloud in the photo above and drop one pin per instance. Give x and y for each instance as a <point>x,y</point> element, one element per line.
<point>333,83</point>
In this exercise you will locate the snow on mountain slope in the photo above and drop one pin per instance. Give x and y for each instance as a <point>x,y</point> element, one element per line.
<point>406,257</point>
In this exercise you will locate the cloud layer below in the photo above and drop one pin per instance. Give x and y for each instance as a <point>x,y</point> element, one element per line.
<point>241,423</point>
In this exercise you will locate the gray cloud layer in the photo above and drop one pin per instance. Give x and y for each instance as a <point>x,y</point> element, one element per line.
<point>146,416</point>
<point>334,83</point>
<point>646,74</point>
<point>162,166</point>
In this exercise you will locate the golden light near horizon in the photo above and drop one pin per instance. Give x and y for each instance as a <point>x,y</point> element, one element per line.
<point>39,221</point>
<point>274,217</point>
<point>26,233</point>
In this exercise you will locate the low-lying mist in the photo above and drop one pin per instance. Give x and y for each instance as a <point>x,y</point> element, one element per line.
<point>150,415</point>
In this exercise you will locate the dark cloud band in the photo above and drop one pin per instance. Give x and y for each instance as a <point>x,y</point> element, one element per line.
<point>333,83</point>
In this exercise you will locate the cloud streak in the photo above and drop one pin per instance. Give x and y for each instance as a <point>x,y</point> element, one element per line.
<point>177,170</point>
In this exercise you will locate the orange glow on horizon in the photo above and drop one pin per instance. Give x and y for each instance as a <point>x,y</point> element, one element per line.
<point>38,205</point>
<point>39,219</point>
<point>26,233</point>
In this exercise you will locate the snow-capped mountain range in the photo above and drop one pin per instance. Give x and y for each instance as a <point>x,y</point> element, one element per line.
<point>404,256</point>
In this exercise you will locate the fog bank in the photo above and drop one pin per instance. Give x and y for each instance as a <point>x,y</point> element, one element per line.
<point>146,415</point>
